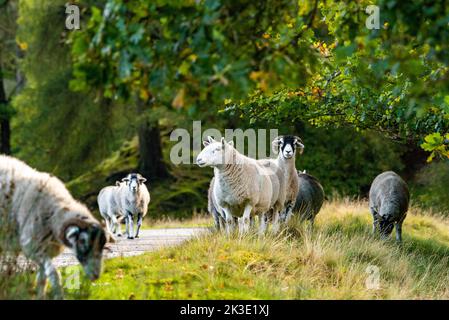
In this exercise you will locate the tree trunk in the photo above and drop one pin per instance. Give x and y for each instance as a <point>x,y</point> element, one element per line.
<point>151,162</point>
<point>5,126</point>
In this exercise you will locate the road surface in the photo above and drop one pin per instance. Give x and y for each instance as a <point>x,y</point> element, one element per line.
<point>149,240</point>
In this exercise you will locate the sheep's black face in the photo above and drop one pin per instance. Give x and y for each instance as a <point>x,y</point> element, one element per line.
<point>385,227</point>
<point>133,181</point>
<point>287,145</point>
<point>88,245</point>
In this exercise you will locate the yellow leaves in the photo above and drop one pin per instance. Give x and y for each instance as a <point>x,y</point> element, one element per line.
<point>178,102</point>
<point>22,45</point>
<point>322,48</point>
<point>261,77</point>
<point>144,94</point>
<point>266,36</point>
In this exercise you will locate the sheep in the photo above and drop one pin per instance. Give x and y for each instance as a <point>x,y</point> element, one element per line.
<point>109,205</point>
<point>134,201</point>
<point>213,208</point>
<point>44,218</point>
<point>242,187</point>
<point>286,147</point>
<point>310,197</point>
<point>388,203</point>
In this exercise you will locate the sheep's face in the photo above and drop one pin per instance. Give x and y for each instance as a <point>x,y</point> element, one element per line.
<point>385,227</point>
<point>287,146</point>
<point>214,153</point>
<point>87,244</point>
<point>134,181</point>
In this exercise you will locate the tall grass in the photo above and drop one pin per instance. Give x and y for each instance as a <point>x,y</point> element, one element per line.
<point>16,280</point>
<point>332,262</point>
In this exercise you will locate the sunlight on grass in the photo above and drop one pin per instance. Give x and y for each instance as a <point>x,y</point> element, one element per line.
<point>329,263</point>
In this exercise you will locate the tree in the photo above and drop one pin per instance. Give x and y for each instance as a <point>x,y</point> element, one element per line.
<point>8,70</point>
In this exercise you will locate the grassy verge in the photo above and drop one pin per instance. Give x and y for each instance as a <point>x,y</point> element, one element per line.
<point>333,262</point>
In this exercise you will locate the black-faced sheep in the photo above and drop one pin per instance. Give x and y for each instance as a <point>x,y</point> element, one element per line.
<point>45,218</point>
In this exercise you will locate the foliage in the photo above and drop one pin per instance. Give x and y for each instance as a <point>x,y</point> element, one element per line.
<point>58,130</point>
<point>430,188</point>
<point>393,79</point>
<point>347,168</point>
<point>331,264</point>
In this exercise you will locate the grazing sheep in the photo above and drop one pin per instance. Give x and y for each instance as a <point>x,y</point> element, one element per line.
<point>134,200</point>
<point>109,204</point>
<point>286,147</point>
<point>45,218</point>
<point>388,202</point>
<point>310,197</point>
<point>242,187</point>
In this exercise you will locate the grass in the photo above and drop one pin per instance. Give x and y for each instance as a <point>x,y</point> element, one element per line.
<point>333,262</point>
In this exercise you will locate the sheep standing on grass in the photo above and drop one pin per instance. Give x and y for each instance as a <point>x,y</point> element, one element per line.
<point>242,187</point>
<point>286,146</point>
<point>44,218</point>
<point>310,197</point>
<point>134,200</point>
<point>388,202</point>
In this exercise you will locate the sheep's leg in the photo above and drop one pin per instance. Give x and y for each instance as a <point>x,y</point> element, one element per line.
<point>399,230</point>
<point>119,226</point>
<point>116,224</point>
<point>139,224</point>
<point>246,218</point>
<point>127,226</point>
<point>375,220</point>
<point>263,224</point>
<point>276,222</point>
<point>288,212</point>
<point>52,274</point>
<point>130,223</point>
<point>41,282</point>
<point>229,221</point>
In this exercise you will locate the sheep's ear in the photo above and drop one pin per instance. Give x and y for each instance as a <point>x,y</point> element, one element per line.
<point>142,180</point>
<point>71,235</point>
<point>231,143</point>
<point>223,141</point>
<point>208,141</point>
<point>276,143</point>
<point>117,183</point>
<point>299,144</point>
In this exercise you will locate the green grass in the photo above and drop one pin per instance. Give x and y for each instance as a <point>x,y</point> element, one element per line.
<point>330,263</point>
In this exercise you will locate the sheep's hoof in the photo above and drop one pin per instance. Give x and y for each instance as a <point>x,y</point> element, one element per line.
<point>130,237</point>
<point>136,237</point>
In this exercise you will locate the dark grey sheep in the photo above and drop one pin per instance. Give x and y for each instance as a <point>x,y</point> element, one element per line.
<point>310,197</point>
<point>388,202</point>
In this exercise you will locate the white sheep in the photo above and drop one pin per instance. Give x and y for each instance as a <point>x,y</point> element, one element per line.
<point>134,201</point>
<point>109,204</point>
<point>44,218</point>
<point>242,186</point>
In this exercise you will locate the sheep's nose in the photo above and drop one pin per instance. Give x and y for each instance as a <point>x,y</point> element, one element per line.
<point>199,161</point>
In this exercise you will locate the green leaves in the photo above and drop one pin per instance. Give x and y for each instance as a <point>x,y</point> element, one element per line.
<point>437,144</point>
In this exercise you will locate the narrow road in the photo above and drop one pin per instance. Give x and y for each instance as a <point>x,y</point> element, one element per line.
<point>149,240</point>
